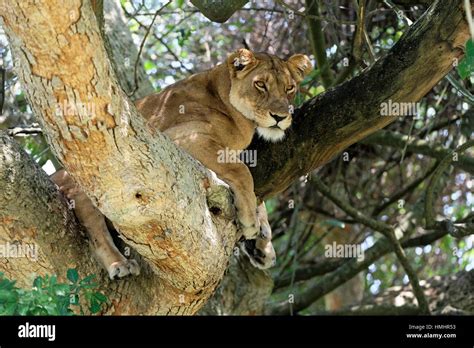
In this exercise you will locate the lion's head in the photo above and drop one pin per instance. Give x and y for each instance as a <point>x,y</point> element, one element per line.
<point>263,87</point>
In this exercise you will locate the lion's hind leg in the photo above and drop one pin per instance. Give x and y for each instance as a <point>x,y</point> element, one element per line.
<point>116,265</point>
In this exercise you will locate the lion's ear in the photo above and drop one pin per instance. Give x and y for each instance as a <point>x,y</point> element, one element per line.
<point>240,61</point>
<point>300,66</point>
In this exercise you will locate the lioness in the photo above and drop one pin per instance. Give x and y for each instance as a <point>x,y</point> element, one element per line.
<point>215,110</point>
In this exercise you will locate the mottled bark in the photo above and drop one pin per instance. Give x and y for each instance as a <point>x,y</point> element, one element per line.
<point>243,290</point>
<point>154,193</point>
<point>34,214</point>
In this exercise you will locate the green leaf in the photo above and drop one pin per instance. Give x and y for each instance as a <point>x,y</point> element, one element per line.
<point>38,282</point>
<point>95,305</point>
<point>466,66</point>
<point>88,279</point>
<point>469,48</point>
<point>72,275</point>
<point>100,297</point>
<point>10,309</point>
<point>7,296</point>
<point>62,289</point>
<point>464,69</point>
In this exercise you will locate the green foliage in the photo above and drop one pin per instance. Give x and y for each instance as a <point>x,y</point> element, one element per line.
<point>466,66</point>
<point>48,297</point>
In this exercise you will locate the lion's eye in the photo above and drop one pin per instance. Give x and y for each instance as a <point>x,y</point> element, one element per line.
<point>290,89</point>
<point>260,85</point>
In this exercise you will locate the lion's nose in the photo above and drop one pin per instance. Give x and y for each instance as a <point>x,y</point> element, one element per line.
<point>277,118</point>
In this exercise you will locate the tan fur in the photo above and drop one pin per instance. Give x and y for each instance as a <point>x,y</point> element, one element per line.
<point>221,109</point>
<point>216,110</point>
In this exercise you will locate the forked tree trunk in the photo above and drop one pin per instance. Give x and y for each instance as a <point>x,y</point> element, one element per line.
<point>153,192</point>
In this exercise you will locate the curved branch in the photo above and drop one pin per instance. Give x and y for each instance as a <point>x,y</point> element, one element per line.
<point>332,265</point>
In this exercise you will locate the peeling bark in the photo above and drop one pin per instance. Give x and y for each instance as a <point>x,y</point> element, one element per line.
<point>153,192</point>
<point>243,290</point>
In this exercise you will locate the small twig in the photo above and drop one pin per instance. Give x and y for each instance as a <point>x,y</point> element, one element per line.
<point>460,88</point>
<point>358,45</point>
<point>24,131</point>
<point>430,219</point>
<point>376,225</point>
<point>142,45</point>
<point>360,37</point>
<point>318,43</point>
<point>398,11</point>
<point>399,194</point>
<point>404,150</point>
<point>170,51</point>
<point>2,89</point>
<point>412,276</point>
<point>440,125</point>
<point>388,232</point>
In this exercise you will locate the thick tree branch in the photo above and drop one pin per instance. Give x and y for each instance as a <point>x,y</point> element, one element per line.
<point>342,273</point>
<point>331,265</point>
<point>157,200</point>
<point>326,125</point>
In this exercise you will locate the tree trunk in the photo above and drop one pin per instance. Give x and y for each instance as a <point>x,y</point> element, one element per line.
<point>153,192</point>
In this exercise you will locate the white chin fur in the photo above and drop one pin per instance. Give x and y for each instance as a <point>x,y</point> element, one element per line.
<point>271,134</point>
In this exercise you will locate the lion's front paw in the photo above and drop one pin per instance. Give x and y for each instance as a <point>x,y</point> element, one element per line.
<point>259,248</point>
<point>261,255</point>
<point>249,225</point>
<point>123,268</point>
<point>251,232</point>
